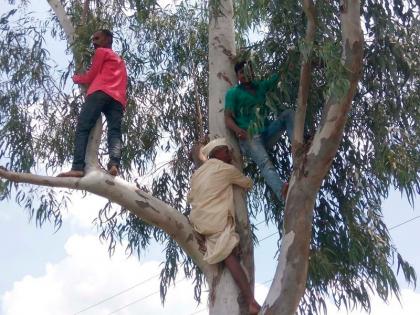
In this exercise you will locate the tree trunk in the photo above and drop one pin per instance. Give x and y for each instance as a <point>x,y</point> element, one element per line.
<point>289,283</point>
<point>226,298</point>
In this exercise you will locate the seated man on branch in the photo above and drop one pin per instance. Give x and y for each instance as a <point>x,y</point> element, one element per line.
<point>246,115</point>
<point>107,84</point>
<point>213,212</point>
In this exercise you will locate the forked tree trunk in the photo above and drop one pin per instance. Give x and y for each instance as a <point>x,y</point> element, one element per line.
<point>310,168</point>
<point>226,299</point>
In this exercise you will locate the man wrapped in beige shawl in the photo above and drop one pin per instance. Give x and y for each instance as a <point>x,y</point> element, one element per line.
<point>213,211</point>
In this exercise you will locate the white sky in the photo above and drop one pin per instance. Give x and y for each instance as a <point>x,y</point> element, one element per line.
<point>47,273</point>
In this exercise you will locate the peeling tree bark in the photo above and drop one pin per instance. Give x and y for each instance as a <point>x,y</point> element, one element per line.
<point>222,50</point>
<point>289,283</point>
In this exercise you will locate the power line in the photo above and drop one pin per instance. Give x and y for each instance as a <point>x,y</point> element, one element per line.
<point>117,294</point>
<point>139,284</point>
<point>391,228</point>
<point>405,222</point>
<point>268,236</point>
<point>134,302</point>
<point>139,300</point>
<point>156,292</point>
<point>201,310</point>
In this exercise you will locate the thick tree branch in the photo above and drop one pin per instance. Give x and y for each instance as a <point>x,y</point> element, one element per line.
<point>85,11</point>
<point>138,202</point>
<point>289,283</point>
<point>196,155</point>
<point>49,181</point>
<point>63,19</point>
<point>305,78</point>
<point>330,132</point>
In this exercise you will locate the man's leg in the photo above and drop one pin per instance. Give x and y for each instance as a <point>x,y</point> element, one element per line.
<point>114,112</point>
<point>241,280</point>
<point>285,122</point>
<point>91,110</point>
<point>255,149</point>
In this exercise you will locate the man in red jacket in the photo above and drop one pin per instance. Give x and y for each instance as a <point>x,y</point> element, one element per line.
<point>107,83</point>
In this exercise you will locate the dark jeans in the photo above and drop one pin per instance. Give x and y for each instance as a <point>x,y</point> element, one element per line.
<point>96,103</point>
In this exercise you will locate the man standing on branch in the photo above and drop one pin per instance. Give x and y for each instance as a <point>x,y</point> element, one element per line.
<point>213,212</point>
<point>246,112</point>
<point>107,84</point>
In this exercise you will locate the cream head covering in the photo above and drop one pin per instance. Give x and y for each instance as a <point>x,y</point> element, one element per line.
<point>209,147</point>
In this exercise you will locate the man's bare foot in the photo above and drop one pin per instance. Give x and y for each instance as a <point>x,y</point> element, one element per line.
<point>113,170</point>
<point>254,308</point>
<point>284,190</point>
<point>72,173</point>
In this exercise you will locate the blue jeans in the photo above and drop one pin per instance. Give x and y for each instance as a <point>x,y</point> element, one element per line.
<point>96,103</point>
<point>256,148</point>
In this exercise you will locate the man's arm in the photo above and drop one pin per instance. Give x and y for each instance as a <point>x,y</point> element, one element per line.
<point>230,103</point>
<point>236,177</point>
<point>231,124</point>
<point>88,76</point>
<point>196,155</point>
<point>271,83</point>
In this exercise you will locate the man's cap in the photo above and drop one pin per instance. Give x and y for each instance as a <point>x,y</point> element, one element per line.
<point>209,147</point>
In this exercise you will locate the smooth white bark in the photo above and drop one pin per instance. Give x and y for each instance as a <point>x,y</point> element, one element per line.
<point>63,19</point>
<point>221,74</point>
<point>276,285</point>
<point>222,50</point>
<point>289,283</point>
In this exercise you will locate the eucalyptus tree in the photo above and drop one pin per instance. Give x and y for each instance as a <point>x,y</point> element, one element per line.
<point>333,240</point>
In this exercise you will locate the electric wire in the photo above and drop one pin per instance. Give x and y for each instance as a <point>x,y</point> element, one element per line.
<point>405,222</point>
<point>201,310</point>
<point>156,292</point>
<point>268,236</point>
<point>128,289</point>
<point>117,294</point>
<point>140,299</point>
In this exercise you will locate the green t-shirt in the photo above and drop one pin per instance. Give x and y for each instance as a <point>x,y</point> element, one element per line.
<point>244,105</point>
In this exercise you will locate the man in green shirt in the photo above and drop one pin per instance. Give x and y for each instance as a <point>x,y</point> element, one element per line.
<point>245,110</point>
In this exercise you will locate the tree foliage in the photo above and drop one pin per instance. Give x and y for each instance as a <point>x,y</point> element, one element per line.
<point>165,49</point>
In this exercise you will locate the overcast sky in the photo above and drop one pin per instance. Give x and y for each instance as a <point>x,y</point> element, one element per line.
<point>69,271</point>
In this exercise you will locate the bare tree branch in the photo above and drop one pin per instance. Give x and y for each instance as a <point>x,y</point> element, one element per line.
<point>330,132</point>
<point>63,19</point>
<point>85,11</point>
<point>305,77</point>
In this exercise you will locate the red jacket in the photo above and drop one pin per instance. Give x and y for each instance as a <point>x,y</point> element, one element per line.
<point>107,74</point>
